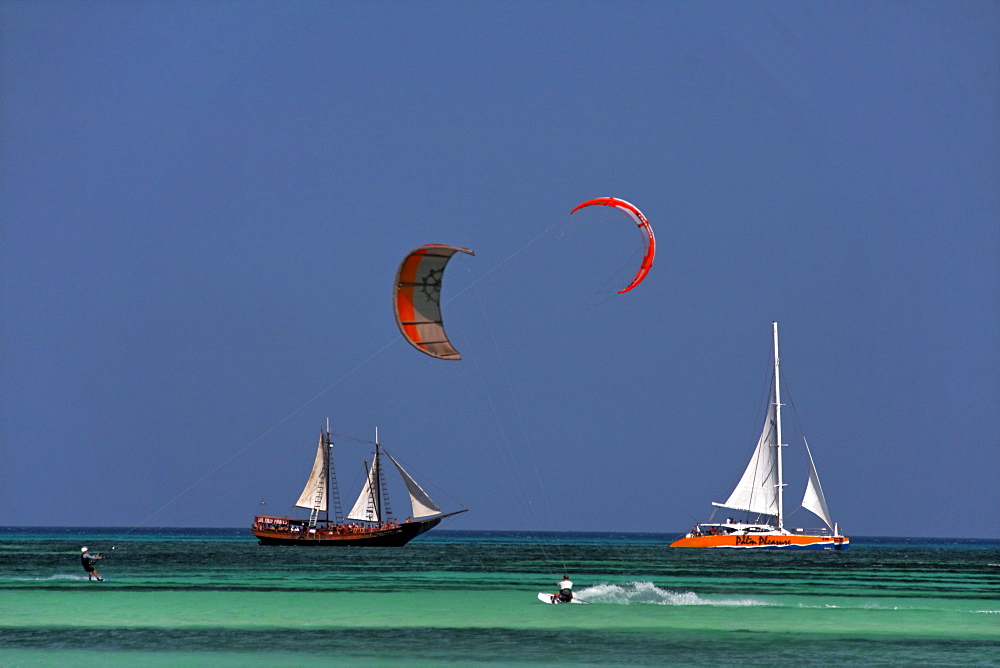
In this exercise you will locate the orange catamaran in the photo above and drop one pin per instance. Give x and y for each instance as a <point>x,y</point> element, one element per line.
<point>370,522</point>
<point>758,520</point>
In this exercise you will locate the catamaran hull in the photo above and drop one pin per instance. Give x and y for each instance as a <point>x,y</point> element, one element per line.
<point>766,542</point>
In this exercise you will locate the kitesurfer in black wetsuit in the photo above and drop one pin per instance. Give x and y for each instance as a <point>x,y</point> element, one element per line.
<point>88,559</point>
<point>565,594</point>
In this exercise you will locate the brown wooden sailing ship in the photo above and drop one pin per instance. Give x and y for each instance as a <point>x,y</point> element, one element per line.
<point>370,522</point>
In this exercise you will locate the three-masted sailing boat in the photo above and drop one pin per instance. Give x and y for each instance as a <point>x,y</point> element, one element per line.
<point>370,521</point>
<point>759,497</point>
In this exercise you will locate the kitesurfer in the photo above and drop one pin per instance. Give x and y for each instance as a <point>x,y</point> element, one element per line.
<point>88,559</point>
<point>565,594</point>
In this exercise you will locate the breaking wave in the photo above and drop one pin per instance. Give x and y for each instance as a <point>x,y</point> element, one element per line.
<point>650,594</point>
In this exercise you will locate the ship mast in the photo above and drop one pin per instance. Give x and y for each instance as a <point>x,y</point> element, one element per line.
<point>376,489</point>
<point>327,447</point>
<point>332,493</point>
<point>777,420</point>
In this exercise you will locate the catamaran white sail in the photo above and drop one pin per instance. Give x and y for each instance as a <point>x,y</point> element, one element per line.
<point>758,499</point>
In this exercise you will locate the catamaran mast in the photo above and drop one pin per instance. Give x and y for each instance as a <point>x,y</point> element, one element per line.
<point>777,421</point>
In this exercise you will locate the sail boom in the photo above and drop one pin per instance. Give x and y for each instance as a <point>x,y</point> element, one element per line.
<point>749,510</point>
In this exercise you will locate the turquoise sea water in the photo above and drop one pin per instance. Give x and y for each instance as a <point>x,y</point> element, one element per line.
<point>215,597</point>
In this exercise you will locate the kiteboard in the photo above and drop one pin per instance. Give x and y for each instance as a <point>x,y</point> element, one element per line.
<point>549,598</point>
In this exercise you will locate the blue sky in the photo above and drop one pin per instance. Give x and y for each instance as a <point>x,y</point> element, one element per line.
<point>204,205</point>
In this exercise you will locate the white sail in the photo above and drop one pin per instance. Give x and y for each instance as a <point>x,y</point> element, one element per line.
<point>366,507</point>
<point>421,503</point>
<point>314,494</point>
<point>813,500</point>
<point>757,491</point>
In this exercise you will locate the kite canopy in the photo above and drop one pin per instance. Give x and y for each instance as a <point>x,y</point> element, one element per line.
<point>417,299</point>
<point>649,241</point>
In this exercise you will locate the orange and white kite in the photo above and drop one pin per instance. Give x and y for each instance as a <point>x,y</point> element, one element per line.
<point>417,299</point>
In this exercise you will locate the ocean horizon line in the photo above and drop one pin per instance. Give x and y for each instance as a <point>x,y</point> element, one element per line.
<point>513,533</point>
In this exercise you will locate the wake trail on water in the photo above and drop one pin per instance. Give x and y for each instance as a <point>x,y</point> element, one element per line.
<point>56,577</point>
<point>646,593</point>
<point>918,608</point>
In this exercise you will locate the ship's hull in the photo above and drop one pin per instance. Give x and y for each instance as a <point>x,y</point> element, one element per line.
<point>331,536</point>
<point>765,542</point>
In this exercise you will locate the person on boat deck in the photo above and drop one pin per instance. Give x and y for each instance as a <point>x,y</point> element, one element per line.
<point>88,559</point>
<point>565,594</point>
